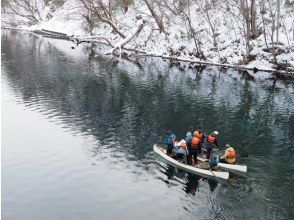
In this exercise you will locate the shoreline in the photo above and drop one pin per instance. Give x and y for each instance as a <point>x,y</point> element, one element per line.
<point>136,54</point>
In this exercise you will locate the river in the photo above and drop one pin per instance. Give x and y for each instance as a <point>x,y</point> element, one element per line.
<point>77,136</point>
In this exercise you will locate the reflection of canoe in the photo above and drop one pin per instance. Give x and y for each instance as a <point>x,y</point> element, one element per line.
<point>234,168</point>
<point>201,172</point>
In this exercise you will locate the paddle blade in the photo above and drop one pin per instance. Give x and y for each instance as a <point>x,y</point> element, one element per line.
<point>243,154</point>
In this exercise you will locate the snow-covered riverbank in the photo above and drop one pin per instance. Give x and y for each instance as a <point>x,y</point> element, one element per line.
<point>218,35</point>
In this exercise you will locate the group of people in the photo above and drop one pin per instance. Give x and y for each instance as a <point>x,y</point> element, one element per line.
<point>190,146</point>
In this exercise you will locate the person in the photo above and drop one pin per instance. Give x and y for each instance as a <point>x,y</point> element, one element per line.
<point>211,143</point>
<point>176,146</point>
<point>213,160</point>
<point>199,134</point>
<point>193,150</point>
<point>170,138</point>
<point>229,156</point>
<point>188,138</point>
<point>182,151</point>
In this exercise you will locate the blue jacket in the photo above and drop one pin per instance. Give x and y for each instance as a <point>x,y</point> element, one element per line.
<point>188,138</point>
<point>170,139</point>
<point>213,160</point>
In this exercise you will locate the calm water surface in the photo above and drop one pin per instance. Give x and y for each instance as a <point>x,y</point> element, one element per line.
<point>77,137</point>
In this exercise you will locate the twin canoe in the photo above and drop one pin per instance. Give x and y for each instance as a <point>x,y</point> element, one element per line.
<point>218,175</point>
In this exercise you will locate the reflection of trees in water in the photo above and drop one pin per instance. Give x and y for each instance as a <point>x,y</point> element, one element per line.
<point>132,110</point>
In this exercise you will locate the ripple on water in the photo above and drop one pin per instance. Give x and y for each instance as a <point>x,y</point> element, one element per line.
<point>94,149</point>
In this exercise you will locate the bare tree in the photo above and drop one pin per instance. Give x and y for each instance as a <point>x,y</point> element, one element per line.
<point>156,17</point>
<point>25,9</point>
<point>206,10</point>
<point>253,19</point>
<point>278,20</point>
<point>103,12</point>
<point>262,12</point>
<point>244,13</point>
<point>274,22</point>
<point>182,9</point>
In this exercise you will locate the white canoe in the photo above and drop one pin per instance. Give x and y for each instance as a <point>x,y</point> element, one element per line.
<point>234,168</point>
<point>219,175</point>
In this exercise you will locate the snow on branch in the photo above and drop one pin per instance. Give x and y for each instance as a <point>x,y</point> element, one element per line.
<point>91,39</point>
<point>24,10</point>
<point>134,33</point>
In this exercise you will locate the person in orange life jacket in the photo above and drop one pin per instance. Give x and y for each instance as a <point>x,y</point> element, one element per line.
<point>229,156</point>
<point>193,150</point>
<point>211,143</point>
<point>170,138</point>
<point>182,151</point>
<point>198,133</point>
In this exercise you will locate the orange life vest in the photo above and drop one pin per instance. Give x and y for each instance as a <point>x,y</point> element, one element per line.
<point>232,154</point>
<point>200,136</point>
<point>195,142</point>
<point>211,139</point>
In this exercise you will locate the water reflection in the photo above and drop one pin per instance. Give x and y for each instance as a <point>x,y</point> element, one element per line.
<point>190,181</point>
<point>192,184</point>
<point>127,108</point>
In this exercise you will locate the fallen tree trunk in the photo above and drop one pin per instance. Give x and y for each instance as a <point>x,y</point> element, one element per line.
<point>120,44</point>
<point>91,39</point>
<point>284,73</point>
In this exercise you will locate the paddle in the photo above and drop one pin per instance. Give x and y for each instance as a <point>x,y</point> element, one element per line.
<point>238,154</point>
<point>212,173</point>
<point>242,154</point>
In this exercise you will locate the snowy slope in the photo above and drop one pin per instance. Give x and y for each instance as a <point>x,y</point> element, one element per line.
<point>69,19</point>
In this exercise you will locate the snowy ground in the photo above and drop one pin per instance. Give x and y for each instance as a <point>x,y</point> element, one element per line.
<point>68,19</point>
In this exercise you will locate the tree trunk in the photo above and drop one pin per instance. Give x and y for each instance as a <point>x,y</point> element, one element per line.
<point>155,16</point>
<point>278,20</point>
<point>253,19</point>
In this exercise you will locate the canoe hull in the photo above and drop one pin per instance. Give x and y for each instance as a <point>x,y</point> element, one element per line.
<point>234,168</point>
<point>218,175</point>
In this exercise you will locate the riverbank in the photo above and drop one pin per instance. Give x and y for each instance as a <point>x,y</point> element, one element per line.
<point>214,36</point>
<point>135,56</point>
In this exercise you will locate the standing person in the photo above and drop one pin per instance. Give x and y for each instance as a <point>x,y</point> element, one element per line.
<point>211,143</point>
<point>170,138</point>
<point>193,150</point>
<point>199,134</point>
<point>188,138</point>
<point>229,156</point>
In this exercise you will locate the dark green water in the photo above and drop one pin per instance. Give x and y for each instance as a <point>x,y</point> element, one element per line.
<point>77,137</point>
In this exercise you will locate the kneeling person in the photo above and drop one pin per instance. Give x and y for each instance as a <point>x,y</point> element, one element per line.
<point>182,151</point>
<point>229,156</point>
<point>213,161</point>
